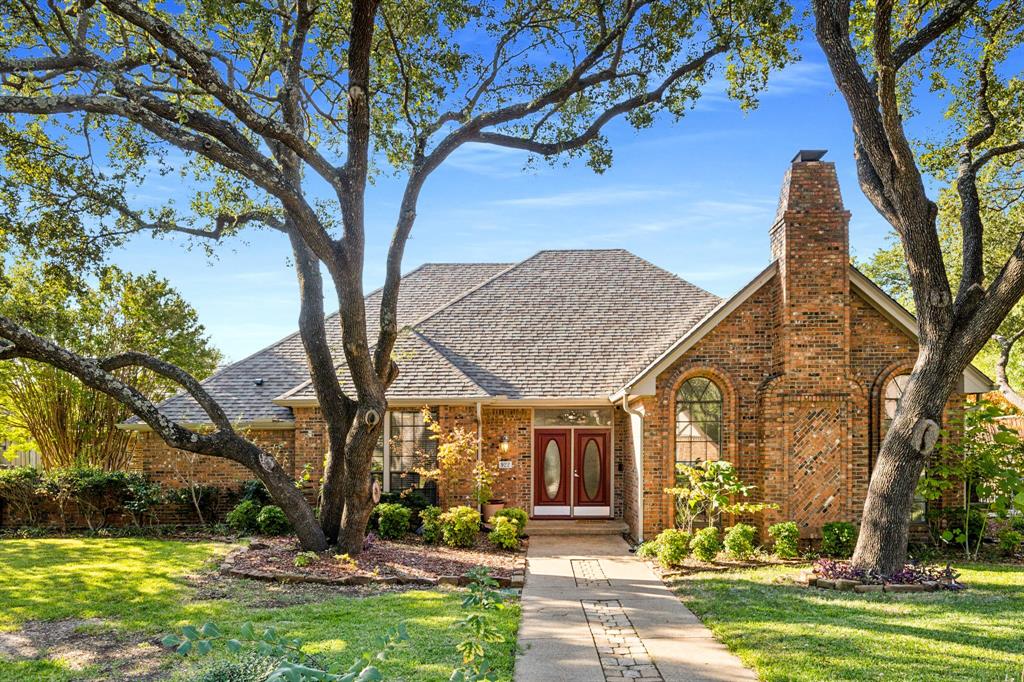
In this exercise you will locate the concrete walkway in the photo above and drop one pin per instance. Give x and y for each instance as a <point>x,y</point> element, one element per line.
<point>593,613</point>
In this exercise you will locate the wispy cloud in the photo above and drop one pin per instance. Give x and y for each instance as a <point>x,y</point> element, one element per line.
<point>590,197</point>
<point>489,160</point>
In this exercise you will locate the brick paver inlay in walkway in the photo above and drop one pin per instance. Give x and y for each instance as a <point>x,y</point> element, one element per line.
<point>622,652</point>
<point>588,573</point>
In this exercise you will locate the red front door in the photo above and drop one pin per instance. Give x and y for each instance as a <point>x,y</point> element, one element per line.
<point>551,482</point>
<point>591,469</point>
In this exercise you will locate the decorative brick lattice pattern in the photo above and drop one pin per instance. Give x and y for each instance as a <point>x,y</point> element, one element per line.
<point>622,652</point>
<point>588,573</point>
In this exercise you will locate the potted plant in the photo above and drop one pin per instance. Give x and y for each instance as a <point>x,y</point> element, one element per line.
<point>483,478</point>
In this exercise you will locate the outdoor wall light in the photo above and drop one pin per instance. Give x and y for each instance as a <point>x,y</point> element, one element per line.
<point>503,443</point>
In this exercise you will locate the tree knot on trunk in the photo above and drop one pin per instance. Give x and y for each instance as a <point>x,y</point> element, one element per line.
<point>371,417</point>
<point>266,461</point>
<point>925,436</point>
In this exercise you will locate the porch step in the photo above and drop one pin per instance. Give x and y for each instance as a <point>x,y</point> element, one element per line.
<point>575,527</point>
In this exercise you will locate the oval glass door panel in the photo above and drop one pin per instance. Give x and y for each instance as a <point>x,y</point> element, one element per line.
<point>552,469</point>
<point>591,469</point>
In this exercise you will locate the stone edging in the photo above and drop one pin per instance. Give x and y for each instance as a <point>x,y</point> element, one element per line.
<point>811,579</point>
<point>228,568</point>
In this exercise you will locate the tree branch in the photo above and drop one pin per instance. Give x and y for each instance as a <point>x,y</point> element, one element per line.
<point>1006,344</point>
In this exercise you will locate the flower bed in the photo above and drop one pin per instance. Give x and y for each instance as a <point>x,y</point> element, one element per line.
<point>829,574</point>
<point>406,561</point>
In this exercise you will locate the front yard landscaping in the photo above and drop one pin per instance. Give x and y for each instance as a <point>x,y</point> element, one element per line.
<point>788,633</point>
<point>96,608</point>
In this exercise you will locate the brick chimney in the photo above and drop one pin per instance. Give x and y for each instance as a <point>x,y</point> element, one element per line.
<point>810,240</point>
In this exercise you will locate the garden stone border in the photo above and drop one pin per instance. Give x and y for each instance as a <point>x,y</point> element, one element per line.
<point>811,579</point>
<point>228,568</point>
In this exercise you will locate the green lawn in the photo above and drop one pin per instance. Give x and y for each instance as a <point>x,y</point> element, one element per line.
<point>140,587</point>
<point>790,633</point>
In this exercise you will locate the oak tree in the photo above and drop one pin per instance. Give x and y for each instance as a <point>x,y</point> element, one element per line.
<point>283,111</point>
<point>895,63</point>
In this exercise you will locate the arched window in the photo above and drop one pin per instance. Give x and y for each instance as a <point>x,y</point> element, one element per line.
<point>698,434</point>
<point>891,398</point>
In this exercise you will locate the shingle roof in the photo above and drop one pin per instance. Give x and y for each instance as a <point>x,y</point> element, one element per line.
<point>566,323</point>
<point>282,366</point>
<point>560,324</point>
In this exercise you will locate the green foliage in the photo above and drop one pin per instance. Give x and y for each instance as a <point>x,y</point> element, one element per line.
<point>1017,522</point>
<point>71,425</point>
<point>141,497</point>
<point>272,521</point>
<point>988,460</point>
<point>739,541</point>
<point>648,550</point>
<point>480,630</point>
<point>672,546</point>
<point>251,667</point>
<point>414,500</point>
<point>787,538</point>
<point>303,559</point>
<point>433,531</point>
<point>244,518</point>
<point>1010,541</point>
<point>709,490</point>
<point>483,482</point>
<point>18,489</point>
<point>706,544</point>
<point>516,514</point>
<point>255,491</point>
<point>460,526</point>
<point>838,539</point>
<point>392,520</point>
<point>505,533</point>
<point>201,500</point>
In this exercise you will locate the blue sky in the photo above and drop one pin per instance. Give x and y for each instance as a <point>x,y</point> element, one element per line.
<point>695,197</point>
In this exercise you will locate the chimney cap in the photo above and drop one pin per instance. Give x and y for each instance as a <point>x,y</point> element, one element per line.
<point>805,155</point>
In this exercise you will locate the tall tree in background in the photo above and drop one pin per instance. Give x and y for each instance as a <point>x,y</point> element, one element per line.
<point>283,112</point>
<point>883,57</point>
<point>53,412</point>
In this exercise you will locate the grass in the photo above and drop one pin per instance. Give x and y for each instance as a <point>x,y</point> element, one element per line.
<point>789,633</point>
<point>139,587</point>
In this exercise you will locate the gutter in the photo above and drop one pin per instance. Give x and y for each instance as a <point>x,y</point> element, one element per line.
<point>639,465</point>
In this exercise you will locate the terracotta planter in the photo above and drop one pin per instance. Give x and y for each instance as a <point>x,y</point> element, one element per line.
<point>492,508</point>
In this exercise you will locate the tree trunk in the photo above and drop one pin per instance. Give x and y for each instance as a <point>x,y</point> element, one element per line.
<point>356,486</point>
<point>1006,345</point>
<point>885,524</point>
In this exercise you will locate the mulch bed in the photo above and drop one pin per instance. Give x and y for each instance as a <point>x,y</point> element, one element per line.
<point>406,561</point>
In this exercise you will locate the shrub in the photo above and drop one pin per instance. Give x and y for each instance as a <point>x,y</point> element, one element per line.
<point>739,541</point>
<point>505,533</point>
<point>1010,541</point>
<point>18,488</point>
<point>272,521</point>
<point>787,537</point>
<point>672,547</point>
<point>201,500</point>
<point>303,559</point>
<point>648,550</point>
<point>392,520</point>
<point>705,544</point>
<point>459,526</point>
<point>957,525</point>
<point>414,500</point>
<point>141,496</point>
<point>838,539</point>
<point>1017,523</point>
<point>516,514</point>
<point>97,493</point>
<point>244,518</point>
<point>255,491</point>
<point>432,531</point>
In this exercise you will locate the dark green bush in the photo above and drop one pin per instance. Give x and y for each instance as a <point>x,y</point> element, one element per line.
<point>838,539</point>
<point>673,545</point>
<point>96,493</point>
<point>505,533</point>
<point>392,520</point>
<point>141,496</point>
<point>739,541</point>
<point>460,526</point>
<point>244,518</point>
<point>705,544</point>
<point>432,529</point>
<point>18,490</point>
<point>200,500</point>
<point>516,514</point>
<point>272,521</point>
<point>255,491</point>
<point>1017,523</point>
<point>787,537</point>
<point>1010,541</point>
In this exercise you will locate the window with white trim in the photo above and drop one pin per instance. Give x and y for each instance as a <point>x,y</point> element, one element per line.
<point>405,446</point>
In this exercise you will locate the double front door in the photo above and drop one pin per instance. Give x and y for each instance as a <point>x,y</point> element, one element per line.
<point>571,473</point>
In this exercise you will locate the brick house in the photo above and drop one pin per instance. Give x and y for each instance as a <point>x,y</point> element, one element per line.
<point>589,374</point>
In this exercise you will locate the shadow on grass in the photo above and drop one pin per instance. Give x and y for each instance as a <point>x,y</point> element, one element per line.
<point>796,633</point>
